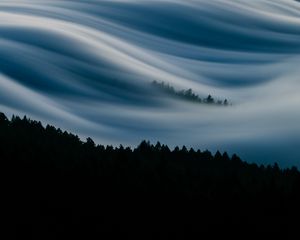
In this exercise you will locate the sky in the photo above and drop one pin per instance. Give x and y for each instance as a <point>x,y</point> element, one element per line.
<point>87,67</point>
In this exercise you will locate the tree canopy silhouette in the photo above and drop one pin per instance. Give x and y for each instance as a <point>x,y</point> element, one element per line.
<point>59,184</point>
<point>189,95</point>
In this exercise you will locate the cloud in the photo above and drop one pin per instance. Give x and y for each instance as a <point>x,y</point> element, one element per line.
<point>87,67</point>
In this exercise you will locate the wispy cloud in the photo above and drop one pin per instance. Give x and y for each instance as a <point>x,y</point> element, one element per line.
<point>87,66</point>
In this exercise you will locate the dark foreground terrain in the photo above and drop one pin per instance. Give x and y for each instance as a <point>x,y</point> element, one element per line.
<point>60,187</point>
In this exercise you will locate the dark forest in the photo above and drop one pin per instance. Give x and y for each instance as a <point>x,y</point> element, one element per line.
<point>60,186</point>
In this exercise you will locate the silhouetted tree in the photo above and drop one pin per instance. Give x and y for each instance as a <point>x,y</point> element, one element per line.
<point>209,99</point>
<point>3,119</point>
<point>90,142</point>
<point>158,146</point>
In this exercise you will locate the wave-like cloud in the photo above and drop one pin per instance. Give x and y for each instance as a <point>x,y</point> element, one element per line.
<point>87,66</point>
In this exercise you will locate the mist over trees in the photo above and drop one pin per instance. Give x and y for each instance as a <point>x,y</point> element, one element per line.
<point>59,185</point>
<point>189,95</point>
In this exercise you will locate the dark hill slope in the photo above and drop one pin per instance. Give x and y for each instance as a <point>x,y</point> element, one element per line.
<point>60,186</point>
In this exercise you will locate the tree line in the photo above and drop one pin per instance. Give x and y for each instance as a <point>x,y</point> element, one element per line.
<point>59,184</point>
<point>189,95</point>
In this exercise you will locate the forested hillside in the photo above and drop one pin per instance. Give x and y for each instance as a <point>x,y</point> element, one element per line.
<point>61,186</point>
